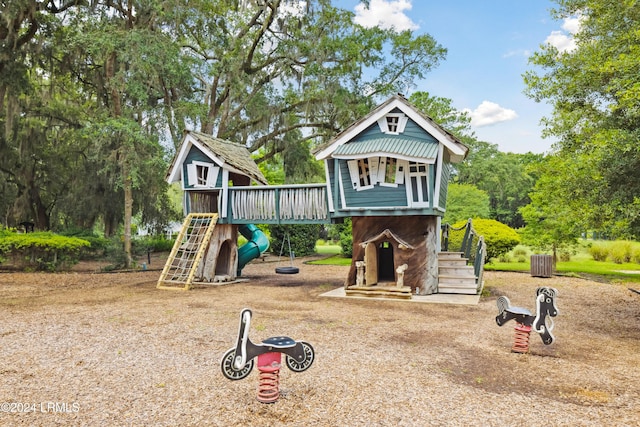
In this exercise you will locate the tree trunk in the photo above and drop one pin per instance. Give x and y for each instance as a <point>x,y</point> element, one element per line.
<point>127,181</point>
<point>128,213</point>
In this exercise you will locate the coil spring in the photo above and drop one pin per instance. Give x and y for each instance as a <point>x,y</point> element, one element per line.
<point>269,386</point>
<point>521,338</point>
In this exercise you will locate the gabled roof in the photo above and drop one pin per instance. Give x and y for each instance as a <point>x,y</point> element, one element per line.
<point>458,151</point>
<point>226,154</point>
<point>387,234</point>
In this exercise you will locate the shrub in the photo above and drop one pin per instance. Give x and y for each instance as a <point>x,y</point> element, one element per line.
<point>42,250</point>
<point>504,258</point>
<point>564,256</point>
<point>598,252</point>
<point>303,238</point>
<point>498,237</point>
<point>98,245</point>
<point>153,244</point>
<point>346,238</point>
<point>620,251</point>
<point>520,251</point>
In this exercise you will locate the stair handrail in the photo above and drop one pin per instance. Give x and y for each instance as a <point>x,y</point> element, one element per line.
<point>478,262</point>
<point>467,245</point>
<point>446,228</point>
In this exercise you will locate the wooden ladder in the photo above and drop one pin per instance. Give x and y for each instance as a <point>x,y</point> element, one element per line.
<point>187,252</point>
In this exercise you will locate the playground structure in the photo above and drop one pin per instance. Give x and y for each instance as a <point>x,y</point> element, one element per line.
<point>388,172</point>
<point>237,363</point>
<point>541,322</point>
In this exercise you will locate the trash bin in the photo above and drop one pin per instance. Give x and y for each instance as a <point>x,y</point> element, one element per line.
<point>541,265</point>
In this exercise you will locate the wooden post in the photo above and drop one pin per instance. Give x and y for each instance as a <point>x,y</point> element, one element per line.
<point>431,285</point>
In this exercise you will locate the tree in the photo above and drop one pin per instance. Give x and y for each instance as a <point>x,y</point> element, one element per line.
<point>504,177</point>
<point>594,91</point>
<point>101,87</point>
<point>28,118</point>
<point>554,218</point>
<point>278,73</point>
<point>125,62</point>
<point>465,201</point>
<point>442,111</point>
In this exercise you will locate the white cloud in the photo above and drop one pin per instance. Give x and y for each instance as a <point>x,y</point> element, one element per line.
<point>488,113</point>
<point>517,52</point>
<point>564,40</point>
<point>573,24</point>
<point>385,14</point>
<point>561,41</point>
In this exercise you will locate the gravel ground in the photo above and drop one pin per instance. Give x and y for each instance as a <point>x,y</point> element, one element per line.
<point>84,349</point>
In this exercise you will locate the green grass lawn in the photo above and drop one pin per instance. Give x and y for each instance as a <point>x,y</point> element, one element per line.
<point>328,249</point>
<point>333,253</point>
<point>580,264</point>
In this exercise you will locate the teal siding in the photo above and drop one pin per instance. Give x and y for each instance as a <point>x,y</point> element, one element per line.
<point>377,196</point>
<point>411,130</point>
<point>198,156</point>
<point>372,131</point>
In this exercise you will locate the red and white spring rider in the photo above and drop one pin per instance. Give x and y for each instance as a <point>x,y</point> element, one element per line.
<point>238,361</point>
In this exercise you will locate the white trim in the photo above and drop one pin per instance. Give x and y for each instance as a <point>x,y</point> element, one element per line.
<point>401,170</point>
<point>225,193</point>
<point>182,180</point>
<point>327,180</point>
<point>192,174</point>
<point>177,165</point>
<point>373,169</point>
<point>383,123</point>
<point>188,142</point>
<point>382,172</point>
<point>382,168</point>
<point>429,161</point>
<point>355,172</point>
<point>436,189</point>
<point>409,186</point>
<point>343,200</point>
<point>352,165</point>
<point>185,199</point>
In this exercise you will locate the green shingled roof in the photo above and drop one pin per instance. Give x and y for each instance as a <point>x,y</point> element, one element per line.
<point>408,148</point>
<point>235,155</point>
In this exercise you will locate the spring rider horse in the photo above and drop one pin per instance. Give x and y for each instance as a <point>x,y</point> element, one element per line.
<point>238,361</point>
<point>541,322</point>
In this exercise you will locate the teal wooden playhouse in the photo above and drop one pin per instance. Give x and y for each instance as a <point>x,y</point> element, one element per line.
<point>389,172</point>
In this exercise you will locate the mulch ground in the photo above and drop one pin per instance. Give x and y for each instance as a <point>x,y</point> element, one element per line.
<point>111,349</point>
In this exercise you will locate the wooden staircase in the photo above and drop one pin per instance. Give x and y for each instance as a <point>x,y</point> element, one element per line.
<point>455,276</point>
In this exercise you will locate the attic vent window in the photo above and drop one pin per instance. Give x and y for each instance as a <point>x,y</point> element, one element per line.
<point>393,123</point>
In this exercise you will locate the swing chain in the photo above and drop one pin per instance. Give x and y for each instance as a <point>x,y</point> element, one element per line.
<point>291,256</point>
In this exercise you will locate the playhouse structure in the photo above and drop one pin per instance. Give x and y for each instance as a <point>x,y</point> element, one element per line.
<point>389,172</point>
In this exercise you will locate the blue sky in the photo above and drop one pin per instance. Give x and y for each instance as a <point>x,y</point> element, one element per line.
<point>488,45</point>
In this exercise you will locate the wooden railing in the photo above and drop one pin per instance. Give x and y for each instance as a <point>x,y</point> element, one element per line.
<point>472,246</point>
<point>278,204</point>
